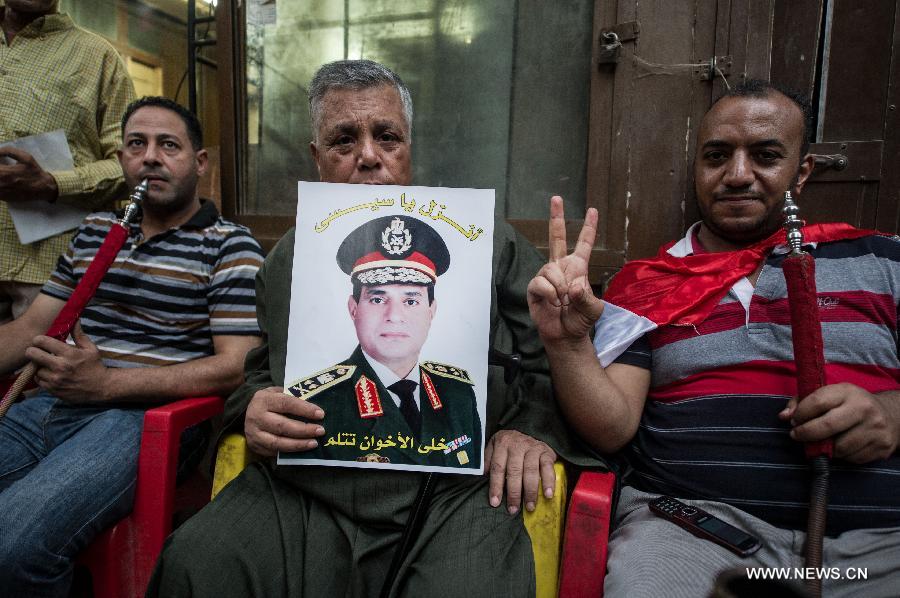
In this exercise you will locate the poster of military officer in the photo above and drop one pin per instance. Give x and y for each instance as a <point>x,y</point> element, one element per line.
<point>401,381</point>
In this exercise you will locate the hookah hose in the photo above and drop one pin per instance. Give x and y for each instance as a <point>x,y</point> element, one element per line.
<point>806,334</point>
<point>84,291</point>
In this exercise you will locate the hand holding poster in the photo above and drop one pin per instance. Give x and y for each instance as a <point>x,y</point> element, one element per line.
<point>389,324</point>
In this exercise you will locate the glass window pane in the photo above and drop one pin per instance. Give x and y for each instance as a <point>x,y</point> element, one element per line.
<point>98,16</point>
<point>501,92</point>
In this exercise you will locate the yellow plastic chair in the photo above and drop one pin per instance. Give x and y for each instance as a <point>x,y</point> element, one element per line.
<point>544,524</point>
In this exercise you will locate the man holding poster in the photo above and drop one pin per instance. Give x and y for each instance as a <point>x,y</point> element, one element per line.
<point>279,530</point>
<point>382,405</point>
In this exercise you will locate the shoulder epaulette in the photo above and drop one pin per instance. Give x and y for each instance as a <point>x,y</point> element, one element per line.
<point>447,371</point>
<point>306,388</point>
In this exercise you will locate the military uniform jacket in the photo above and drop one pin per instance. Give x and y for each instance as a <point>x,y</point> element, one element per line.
<point>363,423</point>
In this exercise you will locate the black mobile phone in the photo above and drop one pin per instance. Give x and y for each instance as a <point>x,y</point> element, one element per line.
<point>703,525</point>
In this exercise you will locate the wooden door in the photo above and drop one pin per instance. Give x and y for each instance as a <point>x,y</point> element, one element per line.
<point>850,68</point>
<point>646,103</point>
<point>676,58</point>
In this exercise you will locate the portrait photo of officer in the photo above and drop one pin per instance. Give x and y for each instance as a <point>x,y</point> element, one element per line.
<point>385,403</point>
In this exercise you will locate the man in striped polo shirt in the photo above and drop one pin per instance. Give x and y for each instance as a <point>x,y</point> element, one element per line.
<point>700,399</point>
<point>174,316</point>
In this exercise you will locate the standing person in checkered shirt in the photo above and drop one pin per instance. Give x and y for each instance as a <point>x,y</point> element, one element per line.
<point>173,317</point>
<point>53,75</point>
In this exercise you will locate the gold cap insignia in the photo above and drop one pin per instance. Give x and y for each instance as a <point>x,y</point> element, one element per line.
<point>373,458</point>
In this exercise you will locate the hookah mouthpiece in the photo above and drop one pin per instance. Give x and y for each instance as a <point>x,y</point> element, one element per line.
<point>792,223</point>
<point>136,197</point>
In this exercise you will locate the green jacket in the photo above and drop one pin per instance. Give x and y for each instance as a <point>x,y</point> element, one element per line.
<point>370,427</point>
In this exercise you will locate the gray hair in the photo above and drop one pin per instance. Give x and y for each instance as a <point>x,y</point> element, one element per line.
<point>354,74</point>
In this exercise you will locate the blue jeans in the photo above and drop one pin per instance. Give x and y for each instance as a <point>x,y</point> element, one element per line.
<point>67,472</point>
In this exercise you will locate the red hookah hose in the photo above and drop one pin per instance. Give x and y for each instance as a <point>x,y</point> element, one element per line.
<point>806,334</point>
<point>71,311</point>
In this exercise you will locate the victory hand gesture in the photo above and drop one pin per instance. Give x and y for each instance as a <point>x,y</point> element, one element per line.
<point>560,298</point>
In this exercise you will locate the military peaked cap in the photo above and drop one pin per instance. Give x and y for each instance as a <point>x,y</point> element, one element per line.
<point>394,249</point>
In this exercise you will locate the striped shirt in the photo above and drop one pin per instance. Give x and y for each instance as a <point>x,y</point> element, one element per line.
<point>710,427</point>
<point>164,298</point>
<point>55,75</point>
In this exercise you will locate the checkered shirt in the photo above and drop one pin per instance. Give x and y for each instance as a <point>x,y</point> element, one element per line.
<point>55,75</point>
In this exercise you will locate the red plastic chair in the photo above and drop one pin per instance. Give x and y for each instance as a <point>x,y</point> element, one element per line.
<point>583,566</point>
<point>121,559</point>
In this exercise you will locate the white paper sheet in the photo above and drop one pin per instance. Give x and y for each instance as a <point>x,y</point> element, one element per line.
<point>36,220</point>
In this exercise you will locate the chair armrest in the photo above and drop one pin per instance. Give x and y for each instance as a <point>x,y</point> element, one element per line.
<point>158,466</point>
<point>182,414</point>
<point>232,456</point>
<point>587,533</point>
<point>545,528</point>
